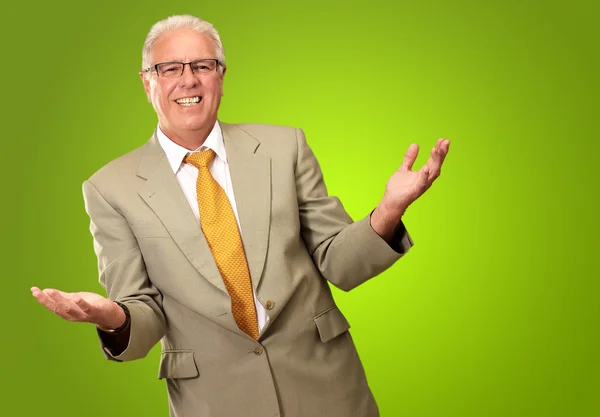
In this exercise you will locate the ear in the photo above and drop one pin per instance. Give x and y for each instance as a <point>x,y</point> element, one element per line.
<point>146,83</point>
<point>222,79</point>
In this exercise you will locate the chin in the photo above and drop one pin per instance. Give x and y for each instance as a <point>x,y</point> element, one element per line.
<point>200,122</point>
<point>196,123</point>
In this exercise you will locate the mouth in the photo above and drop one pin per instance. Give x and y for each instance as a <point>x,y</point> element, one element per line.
<point>189,101</point>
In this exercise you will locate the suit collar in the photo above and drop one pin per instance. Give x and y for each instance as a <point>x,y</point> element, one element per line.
<point>175,153</point>
<point>152,157</point>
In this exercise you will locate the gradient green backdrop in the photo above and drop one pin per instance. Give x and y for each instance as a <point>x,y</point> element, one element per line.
<point>495,310</point>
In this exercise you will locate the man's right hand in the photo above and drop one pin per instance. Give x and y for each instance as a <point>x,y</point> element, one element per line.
<point>81,307</point>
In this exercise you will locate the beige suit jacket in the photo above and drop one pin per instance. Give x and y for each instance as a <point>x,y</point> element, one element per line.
<point>153,257</point>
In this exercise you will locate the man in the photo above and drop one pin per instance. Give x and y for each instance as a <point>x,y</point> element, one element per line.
<point>219,240</point>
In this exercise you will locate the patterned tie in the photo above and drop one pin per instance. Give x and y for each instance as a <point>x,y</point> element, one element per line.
<point>221,231</point>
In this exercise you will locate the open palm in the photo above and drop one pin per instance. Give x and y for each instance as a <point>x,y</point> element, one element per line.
<point>406,185</point>
<point>76,306</point>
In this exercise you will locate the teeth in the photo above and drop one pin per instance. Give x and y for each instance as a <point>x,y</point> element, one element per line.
<point>188,101</point>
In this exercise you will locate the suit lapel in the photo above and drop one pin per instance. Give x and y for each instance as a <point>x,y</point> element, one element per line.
<point>163,194</point>
<point>251,179</point>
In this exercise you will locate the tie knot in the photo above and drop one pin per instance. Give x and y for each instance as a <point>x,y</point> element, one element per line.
<point>200,159</point>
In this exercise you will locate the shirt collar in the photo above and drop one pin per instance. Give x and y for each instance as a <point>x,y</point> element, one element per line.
<point>175,153</point>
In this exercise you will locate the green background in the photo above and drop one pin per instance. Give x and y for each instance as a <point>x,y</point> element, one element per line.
<point>495,310</point>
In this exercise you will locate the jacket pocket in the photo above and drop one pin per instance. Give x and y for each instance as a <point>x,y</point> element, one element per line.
<point>331,323</point>
<point>177,364</point>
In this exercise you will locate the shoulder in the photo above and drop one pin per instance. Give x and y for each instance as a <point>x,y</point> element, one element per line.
<point>120,168</point>
<point>275,138</point>
<point>263,132</point>
<point>259,130</point>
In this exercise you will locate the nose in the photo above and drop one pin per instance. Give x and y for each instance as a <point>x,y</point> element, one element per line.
<point>188,79</point>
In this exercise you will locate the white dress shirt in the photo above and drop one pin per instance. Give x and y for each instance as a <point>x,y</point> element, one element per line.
<point>188,174</point>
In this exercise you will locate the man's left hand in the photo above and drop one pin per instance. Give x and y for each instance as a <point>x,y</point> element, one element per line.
<point>405,186</point>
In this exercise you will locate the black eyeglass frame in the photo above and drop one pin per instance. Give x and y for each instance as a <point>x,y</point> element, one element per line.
<point>155,66</point>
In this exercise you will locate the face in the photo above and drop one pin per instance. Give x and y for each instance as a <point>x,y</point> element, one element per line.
<point>175,119</point>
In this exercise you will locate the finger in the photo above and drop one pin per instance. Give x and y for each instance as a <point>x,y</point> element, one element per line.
<point>433,158</point>
<point>423,182</point>
<point>44,300</point>
<point>444,146</point>
<point>435,166</point>
<point>63,294</point>
<point>80,310</point>
<point>431,166</point>
<point>35,291</point>
<point>53,295</point>
<point>64,307</point>
<point>409,157</point>
<point>83,305</point>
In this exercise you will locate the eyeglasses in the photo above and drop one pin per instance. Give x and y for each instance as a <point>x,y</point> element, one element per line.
<point>175,69</point>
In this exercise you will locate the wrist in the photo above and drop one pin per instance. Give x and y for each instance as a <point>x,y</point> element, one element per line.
<point>385,220</point>
<point>118,319</point>
<point>391,211</point>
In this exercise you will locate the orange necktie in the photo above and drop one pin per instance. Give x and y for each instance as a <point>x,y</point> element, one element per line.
<point>221,231</point>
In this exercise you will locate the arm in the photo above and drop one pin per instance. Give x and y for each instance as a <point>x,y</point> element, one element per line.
<point>123,275</point>
<point>347,253</point>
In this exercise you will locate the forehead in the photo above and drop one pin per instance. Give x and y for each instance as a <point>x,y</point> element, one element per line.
<point>183,45</point>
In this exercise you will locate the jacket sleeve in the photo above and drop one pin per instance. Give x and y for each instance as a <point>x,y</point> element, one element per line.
<point>123,275</point>
<point>347,253</point>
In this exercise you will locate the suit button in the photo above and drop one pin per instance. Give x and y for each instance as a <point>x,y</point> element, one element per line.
<point>269,305</point>
<point>258,350</point>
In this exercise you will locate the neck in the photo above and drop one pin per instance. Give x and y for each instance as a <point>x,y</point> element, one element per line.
<point>189,139</point>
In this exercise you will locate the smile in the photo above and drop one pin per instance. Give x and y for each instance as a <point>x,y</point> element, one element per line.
<point>189,101</point>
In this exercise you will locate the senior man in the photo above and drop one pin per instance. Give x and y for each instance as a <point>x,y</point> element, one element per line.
<point>219,240</point>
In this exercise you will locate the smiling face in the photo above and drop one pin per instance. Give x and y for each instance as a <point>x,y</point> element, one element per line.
<point>186,106</point>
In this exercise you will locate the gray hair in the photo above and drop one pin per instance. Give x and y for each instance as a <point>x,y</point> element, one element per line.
<point>179,22</point>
